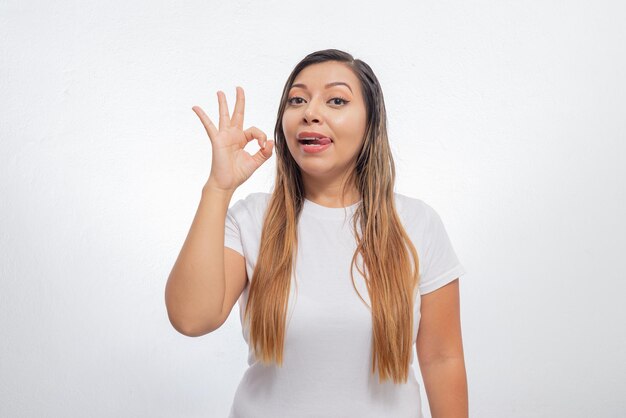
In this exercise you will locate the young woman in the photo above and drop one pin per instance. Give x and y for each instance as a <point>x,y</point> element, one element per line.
<point>334,271</point>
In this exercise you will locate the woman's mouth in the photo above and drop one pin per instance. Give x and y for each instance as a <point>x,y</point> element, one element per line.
<point>315,145</point>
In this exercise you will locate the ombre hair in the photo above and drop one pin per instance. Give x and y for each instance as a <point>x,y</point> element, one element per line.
<point>384,246</point>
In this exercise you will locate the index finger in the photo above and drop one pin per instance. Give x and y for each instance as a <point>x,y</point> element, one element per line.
<point>208,125</point>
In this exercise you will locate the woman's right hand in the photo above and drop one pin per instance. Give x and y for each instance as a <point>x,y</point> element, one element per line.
<point>231,165</point>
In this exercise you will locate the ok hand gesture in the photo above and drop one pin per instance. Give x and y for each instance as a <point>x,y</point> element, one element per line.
<point>231,165</point>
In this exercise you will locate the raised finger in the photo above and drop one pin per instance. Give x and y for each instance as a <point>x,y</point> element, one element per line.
<point>237,119</point>
<point>224,115</point>
<point>206,121</point>
<point>254,132</point>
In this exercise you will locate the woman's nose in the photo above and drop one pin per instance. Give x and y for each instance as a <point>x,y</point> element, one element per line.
<point>311,112</point>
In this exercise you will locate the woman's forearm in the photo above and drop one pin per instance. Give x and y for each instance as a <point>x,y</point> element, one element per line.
<point>445,382</point>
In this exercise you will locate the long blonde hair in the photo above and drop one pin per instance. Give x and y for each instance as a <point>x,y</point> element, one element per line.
<point>384,245</point>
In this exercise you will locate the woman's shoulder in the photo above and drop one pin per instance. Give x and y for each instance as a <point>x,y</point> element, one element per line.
<point>412,206</point>
<point>416,214</point>
<point>252,204</point>
<point>257,198</point>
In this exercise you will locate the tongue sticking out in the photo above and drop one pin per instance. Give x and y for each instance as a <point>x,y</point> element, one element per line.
<point>321,141</point>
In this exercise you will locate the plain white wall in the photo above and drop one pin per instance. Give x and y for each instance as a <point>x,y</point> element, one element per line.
<point>507,117</point>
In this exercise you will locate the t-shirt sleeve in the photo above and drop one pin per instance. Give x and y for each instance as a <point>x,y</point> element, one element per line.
<point>232,235</point>
<point>441,264</point>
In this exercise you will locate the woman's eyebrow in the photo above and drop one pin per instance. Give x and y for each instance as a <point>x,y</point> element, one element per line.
<point>334,83</point>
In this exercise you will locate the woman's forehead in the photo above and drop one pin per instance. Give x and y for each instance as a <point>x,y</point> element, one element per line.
<point>325,75</point>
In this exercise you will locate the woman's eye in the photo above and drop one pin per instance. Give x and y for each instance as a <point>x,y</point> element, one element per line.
<point>339,98</point>
<point>334,99</point>
<point>290,101</point>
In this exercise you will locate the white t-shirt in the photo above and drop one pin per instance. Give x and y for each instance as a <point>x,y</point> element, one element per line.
<point>328,341</point>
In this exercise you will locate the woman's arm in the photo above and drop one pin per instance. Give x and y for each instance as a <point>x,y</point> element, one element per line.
<point>440,352</point>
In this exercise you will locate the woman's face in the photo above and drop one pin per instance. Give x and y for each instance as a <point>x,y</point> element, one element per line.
<point>334,111</point>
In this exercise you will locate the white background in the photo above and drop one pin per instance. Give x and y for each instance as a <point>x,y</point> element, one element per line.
<point>508,117</point>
